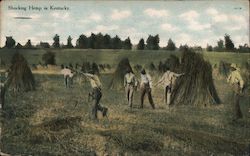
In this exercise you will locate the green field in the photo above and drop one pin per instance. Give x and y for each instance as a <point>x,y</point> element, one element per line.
<point>54,120</point>
<point>66,56</point>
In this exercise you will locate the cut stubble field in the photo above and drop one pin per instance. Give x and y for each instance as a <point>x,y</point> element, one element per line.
<point>53,120</point>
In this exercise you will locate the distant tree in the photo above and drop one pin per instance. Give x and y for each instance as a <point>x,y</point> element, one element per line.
<point>127,44</point>
<point>228,43</point>
<point>171,45</point>
<point>116,43</point>
<point>183,47</point>
<point>10,42</point>
<point>99,42</point>
<point>28,44</point>
<point>244,49</point>
<point>92,41</point>
<point>69,42</point>
<point>56,43</point>
<point>107,41</point>
<point>220,45</point>
<point>44,45</point>
<point>19,46</point>
<point>49,58</point>
<point>141,45</point>
<point>153,42</point>
<point>82,42</point>
<point>209,48</point>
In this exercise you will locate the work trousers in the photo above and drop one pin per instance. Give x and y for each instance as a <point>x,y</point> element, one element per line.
<point>96,106</point>
<point>236,102</point>
<point>129,90</point>
<point>145,89</point>
<point>167,95</point>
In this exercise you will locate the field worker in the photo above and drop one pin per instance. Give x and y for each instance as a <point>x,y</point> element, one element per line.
<point>167,81</point>
<point>66,73</point>
<point>97,94</point>
<point>146,85</point>
<point>237,83</point>
<point>71,75</point>
<point>130,84</point>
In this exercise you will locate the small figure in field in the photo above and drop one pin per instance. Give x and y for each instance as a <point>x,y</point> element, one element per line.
<point>67,76</point>
<point>130,84</point>
<point>146,86</point>
<point>167,81</point>
<point>237,84</point>
<point>97,94</point>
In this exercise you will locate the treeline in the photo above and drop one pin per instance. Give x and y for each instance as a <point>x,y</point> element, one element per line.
<point>100,41</point>
<point>95,41</point>
<point>228,45</point>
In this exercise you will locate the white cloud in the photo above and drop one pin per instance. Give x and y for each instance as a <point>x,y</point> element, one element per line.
<point>25,27</point>
<point>168,27</point>
<point>61,16</point>
<point>102,29</point>
<point>240,40</point>
<point>95,17</point>
<point>194,25</point>
<point>192,21</point>
<point>211,11</point>
<point>118,15</point>
<point>156,13</point>
<point>220,18</point>
<point>233,27</point>
<point>183,38</point>
<point>190,15</point>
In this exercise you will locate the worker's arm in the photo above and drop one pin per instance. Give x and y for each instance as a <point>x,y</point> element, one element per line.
<point>241,81</point>
<point>124,81</point>
<point>178,75</point>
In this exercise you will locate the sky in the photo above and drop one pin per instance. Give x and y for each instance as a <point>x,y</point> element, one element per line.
<point>196,23</point>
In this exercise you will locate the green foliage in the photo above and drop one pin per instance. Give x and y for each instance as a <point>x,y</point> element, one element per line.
<point>228,43</point>
<point>28,45</point>
<point>69,42</point>
<point>10,42</point>
<point>209,48</point>
<point>49,58</point>
<point>141,45</point>
<point>82,42</point>
<point>171,45</point>
<point>153,42</point>
<point>56,43</point>
<point>127,44</point>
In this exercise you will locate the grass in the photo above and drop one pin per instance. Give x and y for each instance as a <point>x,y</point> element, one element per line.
<point>66,56</point>
<point>54,120</point>
<point>53,117</point>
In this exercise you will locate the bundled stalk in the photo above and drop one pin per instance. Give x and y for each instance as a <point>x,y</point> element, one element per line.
<point>196,87</point>
<point>20,77</point>
<point>118,76</point>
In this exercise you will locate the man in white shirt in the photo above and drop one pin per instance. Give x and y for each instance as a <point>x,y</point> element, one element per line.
<point>97,94</point>
<point>130,83</point>
<point>146,85</point>
<point>236,81</point>
<point>66,73</point>
<point>167,81</point>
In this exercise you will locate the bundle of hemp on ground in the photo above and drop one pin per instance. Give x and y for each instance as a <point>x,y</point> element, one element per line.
<point>118,76</point>
<point>196,87</point>
<point>20,77</point>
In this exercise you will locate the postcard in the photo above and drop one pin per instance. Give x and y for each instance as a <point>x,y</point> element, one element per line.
<point>124,78</point>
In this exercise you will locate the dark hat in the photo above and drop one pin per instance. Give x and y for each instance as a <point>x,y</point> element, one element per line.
<point>143,72</point>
